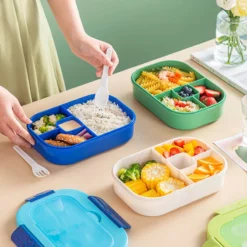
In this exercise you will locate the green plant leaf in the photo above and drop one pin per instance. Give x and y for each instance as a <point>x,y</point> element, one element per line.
<point>221,39</point>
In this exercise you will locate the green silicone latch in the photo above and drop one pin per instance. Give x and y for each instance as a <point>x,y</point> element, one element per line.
<point>212,243</point>
<point>232,207</point>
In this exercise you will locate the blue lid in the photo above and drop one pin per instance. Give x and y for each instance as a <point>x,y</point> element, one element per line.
<point>69,218</point>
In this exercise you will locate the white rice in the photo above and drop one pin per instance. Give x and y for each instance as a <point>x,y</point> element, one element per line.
<point>99,120</point>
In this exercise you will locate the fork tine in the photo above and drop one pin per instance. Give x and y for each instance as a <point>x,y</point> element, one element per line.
<point>47,172</point>
<point>44,173</point>
<point>37,174</point>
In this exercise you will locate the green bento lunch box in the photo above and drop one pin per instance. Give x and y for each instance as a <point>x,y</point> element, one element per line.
<point>175,119</point>
<point>229,227</point>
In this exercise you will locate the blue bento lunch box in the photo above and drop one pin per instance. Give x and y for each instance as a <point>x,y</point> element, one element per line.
<point>69,218</point>
<point>78,152</point>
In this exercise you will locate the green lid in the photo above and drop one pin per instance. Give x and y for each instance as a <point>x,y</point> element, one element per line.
<point>229,227</point>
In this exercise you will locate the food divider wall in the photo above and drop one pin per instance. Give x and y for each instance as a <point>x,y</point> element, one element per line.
<point>95,145</point>
<point>180,165</point>
<point>175,119</point>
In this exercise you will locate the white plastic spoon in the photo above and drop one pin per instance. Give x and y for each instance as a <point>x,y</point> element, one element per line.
<point>102,95</point>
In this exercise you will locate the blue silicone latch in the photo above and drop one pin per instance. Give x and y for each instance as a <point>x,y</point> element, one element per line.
<point>109,212</point>
<point>40,195</point>
<point>22,237</point>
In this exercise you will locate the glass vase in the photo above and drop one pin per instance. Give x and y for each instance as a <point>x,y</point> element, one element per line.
<point>231,39</point>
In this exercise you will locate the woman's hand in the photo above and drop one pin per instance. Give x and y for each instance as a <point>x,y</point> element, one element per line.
<point>10,111</point>
<point>82,45</point>
<point>93,51</point>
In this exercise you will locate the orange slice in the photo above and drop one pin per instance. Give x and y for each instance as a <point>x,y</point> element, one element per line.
<point>209,161</point>
<point>217,171</point>
<point>203,170</point>
<point>198,177</point>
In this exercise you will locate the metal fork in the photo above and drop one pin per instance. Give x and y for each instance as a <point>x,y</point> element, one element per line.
<point>38,170</point>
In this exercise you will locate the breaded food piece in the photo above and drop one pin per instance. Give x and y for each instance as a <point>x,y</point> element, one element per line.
<point>57,143</point>
<point>70,139</point>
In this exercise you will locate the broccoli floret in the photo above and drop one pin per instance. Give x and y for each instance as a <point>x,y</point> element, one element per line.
<point>149,162</point>
<point>124,179</point>
<point>137,170</point>
<point>59,116</point>
<point>121,175</point>
<point>43,129</point>
<point>134,172</point>
<point>121,171</point>
<point>131,174</point>
<point>46,119</point>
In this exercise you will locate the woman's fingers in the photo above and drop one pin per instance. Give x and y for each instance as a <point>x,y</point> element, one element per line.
<point>16,127</point>
<point>19,112</point>
<point>115,62</point>
<point>5,130</point>
<point>99,72</point>
<point>103,59</point>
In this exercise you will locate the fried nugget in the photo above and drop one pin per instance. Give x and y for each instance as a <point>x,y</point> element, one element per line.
<point>57,143</point>
<point>70,139</point>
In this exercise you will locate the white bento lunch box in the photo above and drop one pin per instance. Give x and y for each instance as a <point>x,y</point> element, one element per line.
<point>180,166</point>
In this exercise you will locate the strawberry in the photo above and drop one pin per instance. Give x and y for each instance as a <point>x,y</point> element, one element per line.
<point>199,150</point>
<point>203,98</point>
<point>174,151</point>
<point>210,101</point>
<point>200,89</point>
<point>166,154</point>
<point>212,93</point>
<point>179,143</point>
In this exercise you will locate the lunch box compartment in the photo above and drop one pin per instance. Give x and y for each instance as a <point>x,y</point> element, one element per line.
<point>191,98</point>
<point>170,63</point>
<point>91,147</point>
<point>49,135</point>
<point>178,89</point>
<point>174,119</point>
<point>77,130</point>
<point>52,111</point>
<point>182,161</point>
<point>187,139</point>
<point>210,85</point>
<point>161,205</point>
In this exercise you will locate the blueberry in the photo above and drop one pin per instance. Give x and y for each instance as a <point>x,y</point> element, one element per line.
<point>189,90</point>
<point>186,89</point>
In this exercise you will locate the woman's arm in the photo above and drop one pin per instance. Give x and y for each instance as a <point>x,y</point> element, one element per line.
<point>82,45</point>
